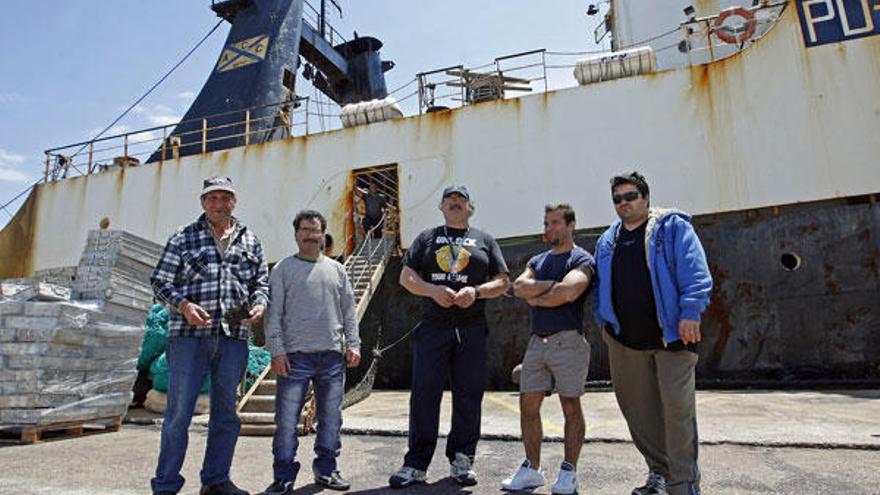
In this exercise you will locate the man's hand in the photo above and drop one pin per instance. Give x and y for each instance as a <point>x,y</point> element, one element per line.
<point>256,313</point>
<point>689,330</point>
<point>444,296</point>
<point>532,301</point>
<point>465,297</point>
<point>280,365</point>
<point>195,315</point>
<point>352,358</point>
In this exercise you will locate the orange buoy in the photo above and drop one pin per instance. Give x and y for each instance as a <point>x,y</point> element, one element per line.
<point>724,35</point>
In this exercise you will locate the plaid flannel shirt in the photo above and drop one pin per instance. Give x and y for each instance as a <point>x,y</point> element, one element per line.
<point>191,269</point>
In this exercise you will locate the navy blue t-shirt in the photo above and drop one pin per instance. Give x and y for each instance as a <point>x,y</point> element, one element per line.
<point>550,266</point>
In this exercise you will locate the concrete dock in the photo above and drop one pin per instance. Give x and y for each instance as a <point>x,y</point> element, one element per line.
<point>752,442</point>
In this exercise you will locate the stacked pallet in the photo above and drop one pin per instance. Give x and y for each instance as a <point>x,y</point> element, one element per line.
<point>63,362</point>
<point>115,267</point>
<point>69,364</point>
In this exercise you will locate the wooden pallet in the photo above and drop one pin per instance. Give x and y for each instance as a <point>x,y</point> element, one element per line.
<point>30,434</point>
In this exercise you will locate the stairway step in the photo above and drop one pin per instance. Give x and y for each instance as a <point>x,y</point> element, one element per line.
<point>260,404</point>
<point>267,387</point>
<point>255,430</point>
<point>259,418</point>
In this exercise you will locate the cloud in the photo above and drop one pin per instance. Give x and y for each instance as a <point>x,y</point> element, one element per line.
<point>12,175</point>
<point>8,158</point>
<point>9,172</point>
<point>10,97</point>
<point>162,115</point>
<point>186,95</point>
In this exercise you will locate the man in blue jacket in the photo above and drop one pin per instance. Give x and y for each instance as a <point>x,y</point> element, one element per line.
<point>654,283</point>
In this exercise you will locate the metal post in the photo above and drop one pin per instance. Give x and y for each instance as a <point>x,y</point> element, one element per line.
<point>164,144</point>
<point>421,93</point>
<point>204,136</point>
<point>91,154</point>
<point>687,42</point>
<point>125,152</point>
<point>48,162</point>
<point>308,104</point>
<point>709,40</point>
<point>247,127</point>
<point>323,23</point>
<point>544,65</point>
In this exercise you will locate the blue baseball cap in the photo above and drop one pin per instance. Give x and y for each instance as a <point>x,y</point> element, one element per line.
<point>460,189</point>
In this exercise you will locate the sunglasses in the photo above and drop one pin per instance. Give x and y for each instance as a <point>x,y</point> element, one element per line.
<point>629,196</point>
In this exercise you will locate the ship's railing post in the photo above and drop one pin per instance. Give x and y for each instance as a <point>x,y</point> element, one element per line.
<point>544,66</point>
<point>308,104</point>
<point>709,40</point>
<point>48,163</point>
<point>421,79</point>
<point>91,155</point>
<point>125,151</point>
<point>247,127</point>
<point>164,144</point>
<point>204,136</point>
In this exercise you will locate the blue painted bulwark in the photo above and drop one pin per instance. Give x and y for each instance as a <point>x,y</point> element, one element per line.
<point>257,71</point>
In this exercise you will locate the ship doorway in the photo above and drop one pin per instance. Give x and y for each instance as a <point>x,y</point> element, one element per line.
<point>375,204</point>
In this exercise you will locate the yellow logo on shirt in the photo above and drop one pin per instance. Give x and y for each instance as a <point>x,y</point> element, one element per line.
<point>444,258</point>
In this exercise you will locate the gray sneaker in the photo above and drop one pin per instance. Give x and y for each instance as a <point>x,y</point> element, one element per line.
<point>407,476</point>
<point>654,485</point>
<point>461,470</point>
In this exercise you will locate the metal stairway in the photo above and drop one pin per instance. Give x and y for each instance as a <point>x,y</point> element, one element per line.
<point>365,268</point>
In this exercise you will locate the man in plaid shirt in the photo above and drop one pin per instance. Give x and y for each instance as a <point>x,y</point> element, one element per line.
<point>214,278</point>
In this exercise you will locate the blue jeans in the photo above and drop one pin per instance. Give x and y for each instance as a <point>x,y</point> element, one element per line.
<point>326,370</point>
<point>442,352</point>
<point>189,360</point>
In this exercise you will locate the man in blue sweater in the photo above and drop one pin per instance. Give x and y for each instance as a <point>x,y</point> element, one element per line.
<point>654,283</point>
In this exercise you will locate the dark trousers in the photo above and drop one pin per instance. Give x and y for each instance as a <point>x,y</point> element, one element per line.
<point>441,352</point>
<point>369,223</point>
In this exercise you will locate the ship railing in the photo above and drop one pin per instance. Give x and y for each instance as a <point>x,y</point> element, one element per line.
<point>317,18</point>
<point>253,125</point>
<point>542,70</point>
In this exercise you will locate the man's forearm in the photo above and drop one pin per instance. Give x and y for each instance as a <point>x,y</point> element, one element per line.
<point>494,287</point>
<point>528,289</point>
<point>411,281</point>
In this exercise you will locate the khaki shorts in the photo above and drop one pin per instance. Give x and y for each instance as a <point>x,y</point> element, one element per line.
<point>561,360</point>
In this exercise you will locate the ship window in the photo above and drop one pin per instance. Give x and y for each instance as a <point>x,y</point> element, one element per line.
<point>289,79</point>
<point>790,261</point>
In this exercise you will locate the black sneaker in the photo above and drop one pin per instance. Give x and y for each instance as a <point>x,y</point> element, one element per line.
<point>225,488</point>
<point>333,481</point>
<point>279,487</point>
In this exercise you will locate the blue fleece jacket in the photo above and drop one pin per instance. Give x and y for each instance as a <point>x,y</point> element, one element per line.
<point>679,272</point>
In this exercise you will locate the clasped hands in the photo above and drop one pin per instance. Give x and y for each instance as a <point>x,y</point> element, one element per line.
<point>446,297</point>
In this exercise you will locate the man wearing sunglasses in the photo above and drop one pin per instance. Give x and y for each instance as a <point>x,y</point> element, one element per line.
<point>654,283</point>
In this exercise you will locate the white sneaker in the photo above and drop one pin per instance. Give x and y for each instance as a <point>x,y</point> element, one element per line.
<point>407,476</point>
<point>525,478</point>
<point>567,482</point>
<point>461,470</point>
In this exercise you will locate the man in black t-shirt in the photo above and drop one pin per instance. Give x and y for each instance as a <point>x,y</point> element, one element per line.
<point>454,267</point>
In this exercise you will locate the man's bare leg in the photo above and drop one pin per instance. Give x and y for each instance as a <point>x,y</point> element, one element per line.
<point>530,423</point>
<point>574,428</point>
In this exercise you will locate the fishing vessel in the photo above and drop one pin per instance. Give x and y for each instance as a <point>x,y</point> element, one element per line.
<point>759,118</point>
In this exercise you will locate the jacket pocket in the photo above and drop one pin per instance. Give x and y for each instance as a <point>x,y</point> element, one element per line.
<point>195,265</point>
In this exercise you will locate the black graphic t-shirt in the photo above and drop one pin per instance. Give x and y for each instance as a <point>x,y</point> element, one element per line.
<point>455,258</point>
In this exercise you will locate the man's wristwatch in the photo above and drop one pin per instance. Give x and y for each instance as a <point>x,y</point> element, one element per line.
<point>476,292</point>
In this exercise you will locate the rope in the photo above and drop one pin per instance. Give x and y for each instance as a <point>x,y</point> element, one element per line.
<point>156,85</point>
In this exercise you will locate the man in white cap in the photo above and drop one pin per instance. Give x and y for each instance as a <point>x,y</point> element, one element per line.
<point>214,278</point>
